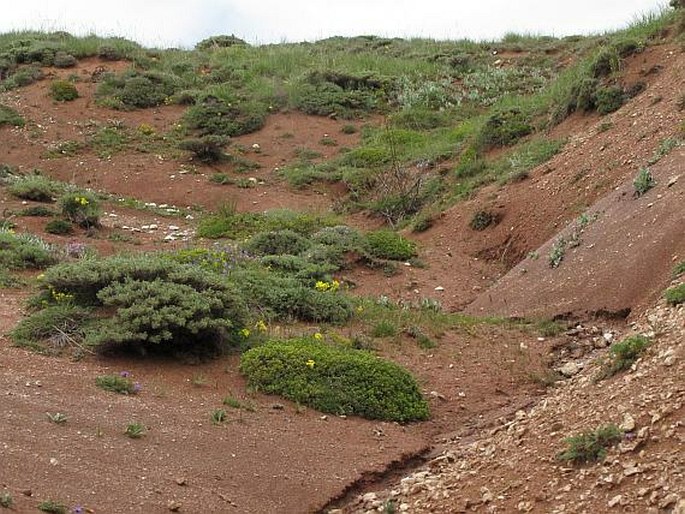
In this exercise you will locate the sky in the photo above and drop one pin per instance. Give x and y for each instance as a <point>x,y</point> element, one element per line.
<point>182,23</point>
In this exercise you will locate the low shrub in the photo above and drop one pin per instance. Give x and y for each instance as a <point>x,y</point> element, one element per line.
<point>55,325</point>
<point>148,303</point>
<point>277,243</point>
<point>386,244</point>
<point>222,41</point>
<point>34,187</point>
<point>590,446</point>
<point>39,211</point>
<point>213,116</point>
<point>609,99</point>
<point>208,148</point>
<point>482,220</point>
<point>9,116</point>
<point>675,295</point>
<point>504,128</point>
<point>63,91</point>
<point>22,251</point>
<point>289,298</point>
<point>335,380</point>
<point>59,227</point>
<point>64,60</point>
<point>81,208</point>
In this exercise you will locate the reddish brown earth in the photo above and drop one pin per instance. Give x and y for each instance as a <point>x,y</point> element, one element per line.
<point>280,457</point>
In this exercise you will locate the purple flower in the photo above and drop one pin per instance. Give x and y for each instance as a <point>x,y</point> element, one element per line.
<point>125,374</point>
<point>78,510</point>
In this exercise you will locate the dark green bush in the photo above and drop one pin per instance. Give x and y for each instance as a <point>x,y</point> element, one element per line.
<point>319,97</point>
<point>288,298</point>
<point>482,220</point>
<point>148,302</point>
<point>34,187</point>
<point>335,380</point>
<point>206,148</point>
<point>675,295</point>
<point>59,227</point>
<point>20,251</point>
<point>63,91</point>
<point>135,90</point>
<point>386,244</point>
<point>81,208</point>
<point>505,127</point>
<point>222,41</point>
<point>277,243</point>
<point>605,62</point>
<point>38,211</point>
<point>590,446</point>
<point>609,99</point>
<point>9,116</point>
<point>110,53</point>
<point>215,116</point>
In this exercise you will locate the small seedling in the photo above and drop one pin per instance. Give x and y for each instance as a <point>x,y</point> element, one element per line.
<point>675,295</point>
<point>6,500</point>
<point>218,416</point>
<point>122,383</point>
<point>199,380</point>
<point>57,418</point>
<point>135,430</point>
<point>644,181</point>
<point>52,507</point>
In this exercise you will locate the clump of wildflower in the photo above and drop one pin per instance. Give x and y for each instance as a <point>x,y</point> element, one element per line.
<point>261,326</point>
<point>318,336</point>
<point>327,286</point>
<point>245,332</point>
<point>76,250</point>
<point>82,200</point>
<point>310,363</point>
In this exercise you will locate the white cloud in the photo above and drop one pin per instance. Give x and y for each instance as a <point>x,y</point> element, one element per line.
<point>184,22</point>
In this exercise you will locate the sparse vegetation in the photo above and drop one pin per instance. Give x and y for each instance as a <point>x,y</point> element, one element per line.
<point>135,430</point>
<point>623,355</point>
<point>675,295</point>
<point>9,116</point>
<point>53,507</point>
<point>6,500</point>
<point>644,181</point>
<point>590,446</point>
<point>122,383</point>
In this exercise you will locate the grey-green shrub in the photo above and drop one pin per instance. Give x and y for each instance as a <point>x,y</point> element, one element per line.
<point>335,380</point>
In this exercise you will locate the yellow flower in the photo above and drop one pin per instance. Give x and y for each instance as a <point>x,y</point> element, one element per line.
<point>310,363</point>
<point>245,333</point>
<point>318,336</point>
<point>335,285</point>
<point>322,286</point>
<point>41,276</point>
<point>360,309</point>
<point>260,326</point>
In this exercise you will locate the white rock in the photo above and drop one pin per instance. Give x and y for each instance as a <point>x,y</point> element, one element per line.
<point>628,423</point>
<point>615,500</point>
<point>439,288</point>
<point>569,369</point>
